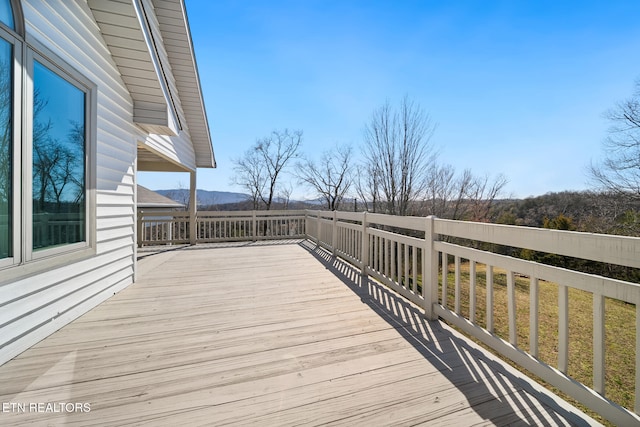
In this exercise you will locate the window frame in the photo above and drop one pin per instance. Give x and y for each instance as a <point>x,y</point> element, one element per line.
<point>76,79</point>
<point>25,260</point>
<point>18,18</point>
<point>16,147</point>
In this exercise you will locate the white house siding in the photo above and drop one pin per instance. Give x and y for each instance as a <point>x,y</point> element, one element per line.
<point>36,306</point>
<point>178,149</point>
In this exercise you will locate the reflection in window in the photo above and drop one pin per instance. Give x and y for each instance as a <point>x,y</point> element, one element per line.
<point>6,13</point>
<point>59,215</point>
<point>5,149</point>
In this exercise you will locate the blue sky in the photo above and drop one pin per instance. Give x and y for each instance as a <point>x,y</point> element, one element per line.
<point>515,87</point>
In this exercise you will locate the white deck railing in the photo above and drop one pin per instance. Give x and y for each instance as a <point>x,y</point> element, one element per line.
<point>411,255</point>
<point>171,227</point>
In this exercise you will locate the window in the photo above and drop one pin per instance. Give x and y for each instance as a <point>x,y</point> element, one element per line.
<point>6,13</point>
<point>47,149</point>
<point>58,170</point>
<point>6,143</point>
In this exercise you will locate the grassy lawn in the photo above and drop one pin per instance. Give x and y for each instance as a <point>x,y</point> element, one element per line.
<point>620,328</point>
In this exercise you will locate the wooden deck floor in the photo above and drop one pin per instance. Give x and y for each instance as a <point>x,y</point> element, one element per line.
<point>266,334</point>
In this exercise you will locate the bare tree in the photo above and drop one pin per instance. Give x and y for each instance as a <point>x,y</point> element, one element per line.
<point>181,194</point>
<point>397,143</point>
<point>482,192</point>
<point>330,177</point>
<point>263,164</point>
<point>250,174</point>
<point>366,185</point>
<point>440,190</point>
<point>619,171</point>
<point>466,197</point>
<point>284,195</point>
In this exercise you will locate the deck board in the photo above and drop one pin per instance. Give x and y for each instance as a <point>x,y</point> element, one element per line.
<point>266,334</point>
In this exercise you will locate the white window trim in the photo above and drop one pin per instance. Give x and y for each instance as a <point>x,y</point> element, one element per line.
<point>16,148</point>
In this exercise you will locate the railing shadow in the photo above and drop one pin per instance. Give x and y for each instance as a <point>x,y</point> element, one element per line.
<point>493,392</point>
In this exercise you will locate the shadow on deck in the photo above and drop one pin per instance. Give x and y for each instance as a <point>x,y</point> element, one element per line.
<point>496,392</point>
<point>267,334</point>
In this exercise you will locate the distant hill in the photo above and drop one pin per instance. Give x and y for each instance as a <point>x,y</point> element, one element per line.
<point>226,200</point>
<point>205,197</point>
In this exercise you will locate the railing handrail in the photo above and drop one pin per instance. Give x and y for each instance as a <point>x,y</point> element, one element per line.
<point>162,213</point>
<point>268,213</point>
<point>611,249</point>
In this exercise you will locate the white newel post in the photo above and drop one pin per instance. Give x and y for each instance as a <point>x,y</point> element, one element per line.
<point>140,236</point>
<point>193,229</point>
<point>254,226</point>
<point>306,224</point>
<point>429,270</point>
<point>365,246</point>
<point>317,234</point>
<point>334,234</point>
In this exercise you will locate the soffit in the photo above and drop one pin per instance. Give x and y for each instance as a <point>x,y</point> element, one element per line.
<point>152,161</point>
<point>121,29</point>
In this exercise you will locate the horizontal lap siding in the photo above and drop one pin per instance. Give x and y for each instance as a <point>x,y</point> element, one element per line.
<point>178,149</point>
<point>36,306</point>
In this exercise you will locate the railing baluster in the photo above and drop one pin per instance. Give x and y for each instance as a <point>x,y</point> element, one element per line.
<point>490,298</point>
<point>393,264</point>
<point>380,250</point>
<point>457,284</point>
<point>343,239</point>
<point>414,268</point>
<point>365,247</point>
<point>472,291</point>
<point>348,240</point>
<point>563,328</point>
<point>383,255</point>
<point>598,343</point>
<point>406,268</point>
<point>511,308</point>
<point>371,250</point>
<point>387,257</point>
<point>637,385</point>
<point>356,240</point>
<point>445,278</point>
<point>534,299</point>
<point>334,234</point>
<point>345,243</point>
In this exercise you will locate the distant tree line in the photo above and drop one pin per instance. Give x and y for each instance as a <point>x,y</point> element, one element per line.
<point>588,211</point>
<point>398,172</point>
<point>585,211</point>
